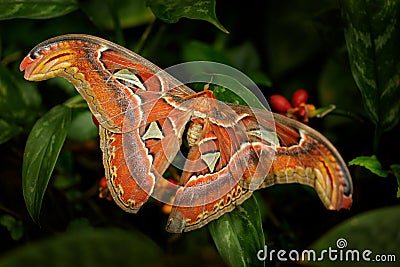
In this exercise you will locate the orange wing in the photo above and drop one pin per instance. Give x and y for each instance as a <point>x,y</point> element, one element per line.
<point>144,113</point>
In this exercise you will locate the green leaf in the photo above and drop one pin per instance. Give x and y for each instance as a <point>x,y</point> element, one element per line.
<point>372,31</point>
<point>377,231</point>
<point>172,10</point>
<point>13,226</point>
<point>87,248</point>
<point>290,35</point>
<point>8,130</point>
<point>396,171</point>
<point>238,235</point>
<point>195,50</point>
<point>36,9</point>
<point>19,104</point>
<point>243,57</point>
<point>232,87</point>
<point>370,163</point>
<point>240,87</point>
<point>82,127</point>
<point>129,13</point>
<point>41,152</point>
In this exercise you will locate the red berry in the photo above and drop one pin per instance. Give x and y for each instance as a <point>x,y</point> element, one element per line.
<point>299,97</point>
<point>302,112</point>
<point>279,103</point>
<point>103,182</point>
<point>95,121</point>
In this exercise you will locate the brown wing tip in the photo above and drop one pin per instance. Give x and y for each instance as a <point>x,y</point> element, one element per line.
<point>347,201</point>
<point>175,224</point>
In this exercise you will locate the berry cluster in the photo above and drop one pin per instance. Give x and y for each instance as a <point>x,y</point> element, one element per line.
<point>298,109</point>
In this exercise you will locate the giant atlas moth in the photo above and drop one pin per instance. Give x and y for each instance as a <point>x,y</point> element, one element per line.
<point>146,116</point>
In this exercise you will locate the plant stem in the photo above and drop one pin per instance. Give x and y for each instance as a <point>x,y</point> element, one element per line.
<point>143,38</point>
<point>350,115</point>
<point>377,137</point>
<point>119,36</point>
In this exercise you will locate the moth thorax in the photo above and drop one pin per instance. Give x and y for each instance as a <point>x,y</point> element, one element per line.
<point>194,133</point>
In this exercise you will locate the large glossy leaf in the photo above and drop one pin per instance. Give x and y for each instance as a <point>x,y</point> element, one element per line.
<point>41,152</point>
<point>376,231</point>
<point>238,235</point>
<point>86,248</point>
<point>372,34</point>
<point>36,9</point>
<point>171,11</point>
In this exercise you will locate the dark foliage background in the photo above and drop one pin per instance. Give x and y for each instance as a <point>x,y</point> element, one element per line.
<point>282,46</point>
